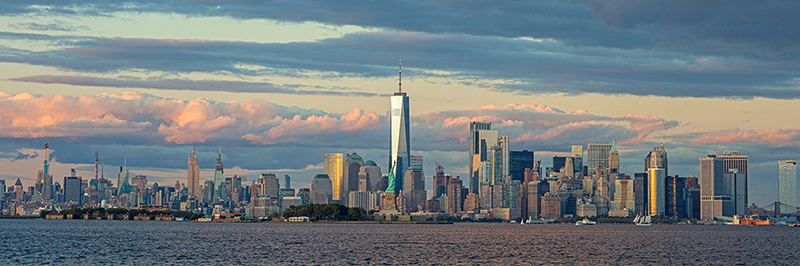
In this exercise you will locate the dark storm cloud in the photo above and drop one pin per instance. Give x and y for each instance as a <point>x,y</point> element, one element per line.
<point>195,85</point>
<point>769,28</point>
<point>542,66</point>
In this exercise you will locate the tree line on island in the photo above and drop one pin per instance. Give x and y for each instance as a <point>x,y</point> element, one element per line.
<point>325,212</point>
<point>103,212</point>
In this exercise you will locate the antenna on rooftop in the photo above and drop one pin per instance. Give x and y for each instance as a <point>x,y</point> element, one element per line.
<point>400,77</point>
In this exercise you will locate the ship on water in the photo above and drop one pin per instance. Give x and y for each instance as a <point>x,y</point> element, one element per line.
<point>642,220</point>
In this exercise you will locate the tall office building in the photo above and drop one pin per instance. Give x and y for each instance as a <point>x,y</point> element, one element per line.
<point>676,204</point>
<point>122,178</point>
<point>499,161</point>
<point>219,178</point>
<point>597,155</point>
<point>735,160</point>
<point>269,185</point>
<point>735,188</point>
<point>47,177</point>
<point>656,191</point>
<point>194,175</point>
<point>414,187</point>
<point>455,199</point>
<point>350,176</point>
<point>713,201</point>
<point>334,168</point>
<point>577,155</point>
<point>657,158</point>
<point>641,197</point>
<point>73,189</point>
<point>369,176</point>
<point>440,181</point>
<point>787,182</point>
<point>517,162</point>
<point>613,160</point>
<point>624,197</point>
<point>321,189</point>
<point>482,160</point>
<point>416,160</point>
<point>693,192</point>
<point>400,136</point>
<point>474,153</point>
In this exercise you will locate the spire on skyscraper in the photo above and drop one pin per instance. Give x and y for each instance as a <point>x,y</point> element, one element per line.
<point>400,77</point>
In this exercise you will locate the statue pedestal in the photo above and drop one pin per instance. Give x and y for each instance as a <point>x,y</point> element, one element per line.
<point>389,204</point>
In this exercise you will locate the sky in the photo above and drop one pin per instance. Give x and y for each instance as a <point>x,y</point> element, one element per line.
<point>277,84</point>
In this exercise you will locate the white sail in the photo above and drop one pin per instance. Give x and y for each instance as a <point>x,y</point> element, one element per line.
<point>647,219</point>
<point>636,220</point>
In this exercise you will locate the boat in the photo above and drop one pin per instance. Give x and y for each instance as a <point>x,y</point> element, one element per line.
<point>642,220</point>
<point>754,221</point>
<point>585,222</point>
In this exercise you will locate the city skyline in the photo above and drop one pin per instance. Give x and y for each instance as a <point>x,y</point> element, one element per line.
<point>278,92</point>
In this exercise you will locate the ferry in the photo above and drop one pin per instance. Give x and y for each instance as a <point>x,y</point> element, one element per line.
<point>585,222</point>
<point>752,220</point>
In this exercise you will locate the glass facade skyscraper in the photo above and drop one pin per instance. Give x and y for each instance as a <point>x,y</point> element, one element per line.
<point>400,138</point>
<point>787,182</point>
<point>597,155</point>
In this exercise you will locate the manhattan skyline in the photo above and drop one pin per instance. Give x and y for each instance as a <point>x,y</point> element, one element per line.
<point>278,91</point>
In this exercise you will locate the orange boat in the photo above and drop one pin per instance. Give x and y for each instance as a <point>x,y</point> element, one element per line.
<point>753,221</point>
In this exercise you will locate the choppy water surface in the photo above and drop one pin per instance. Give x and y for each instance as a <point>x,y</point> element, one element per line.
<point>121,242</point>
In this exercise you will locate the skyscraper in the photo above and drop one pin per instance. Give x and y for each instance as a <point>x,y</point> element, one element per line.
<point>640,189</point>
<point>334,168</point>
<point>440,181</point>
<point>194,175</point>
<point>321,189</point>
<point>656,191</point>
<point>47,177</point>
<point>613,160</point>
<point>713,201</point>
<point>787,182</point>
<point>597,155</point>
<point>219,179</point>
<point>474,153</point>
<point>518,161</point>
<point>400,136</point>
<point>676,197</point>
<point>269,185</point>
<point>350,176</point>
<point>577,155</point>
<point>414,187</point>
<point>735,160</point>
<point>623,195</point>
<point>657,158</point>
<point>73,189</point>
<point>122,178</point>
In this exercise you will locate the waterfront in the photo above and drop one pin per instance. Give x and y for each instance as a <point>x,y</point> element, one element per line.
<point>127,242</point>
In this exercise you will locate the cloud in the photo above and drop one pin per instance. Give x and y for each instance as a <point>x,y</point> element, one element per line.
<point>769,136</point>
<point>133,116</point>
<point>47,27</point>
<point>536,126</point>
<point>494,63</point>
<point>194,85</point>
<point>22,156</point>
<point>297,127</point>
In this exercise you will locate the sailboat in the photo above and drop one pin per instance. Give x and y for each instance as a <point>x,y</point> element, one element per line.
<point>642,220</point>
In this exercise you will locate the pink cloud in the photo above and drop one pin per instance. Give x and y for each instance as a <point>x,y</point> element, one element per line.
<point>748,136</point>
<point>162,120</point>
<point>292,129</point>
